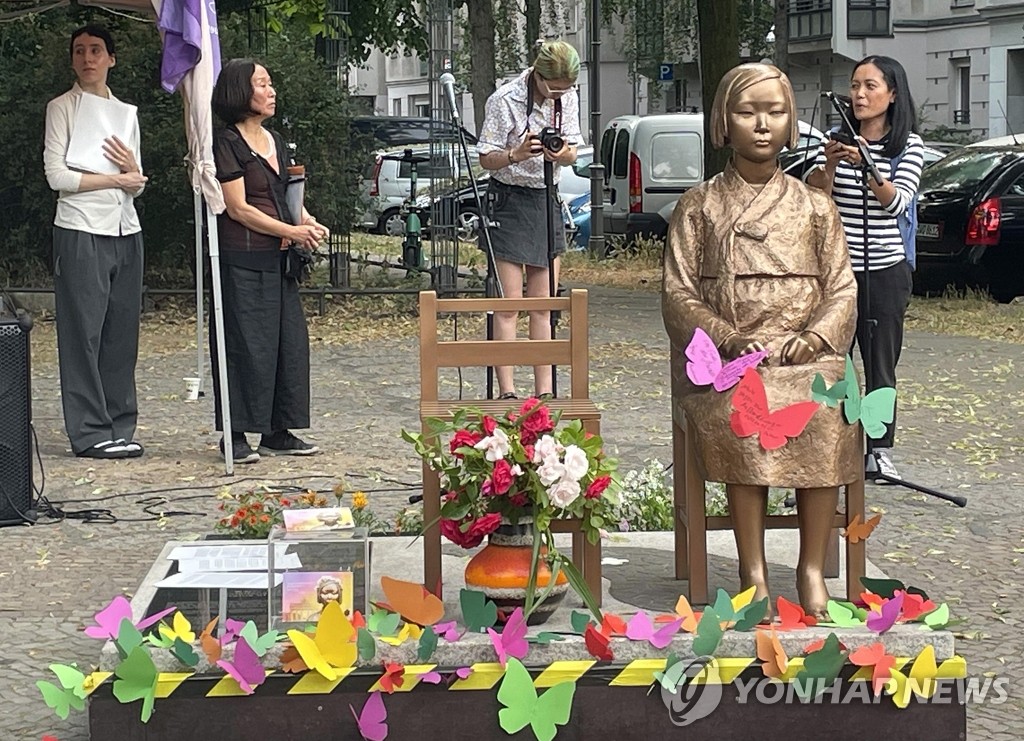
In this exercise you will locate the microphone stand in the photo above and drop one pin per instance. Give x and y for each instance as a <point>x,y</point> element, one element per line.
<point>549,207</point>
<point>492,284</point>
<point>867,167</point>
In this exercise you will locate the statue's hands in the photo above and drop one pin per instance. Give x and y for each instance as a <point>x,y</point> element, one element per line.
<point>737,345</point>
<point>803,348</point>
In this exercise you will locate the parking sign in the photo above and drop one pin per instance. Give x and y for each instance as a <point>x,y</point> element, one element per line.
<point>666,72</point>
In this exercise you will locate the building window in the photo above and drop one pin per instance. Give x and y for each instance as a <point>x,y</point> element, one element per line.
<point>867,18</point>
<point>396,107</point>
<point>962,4</point>
<point>961,100</point>
<point>421,106</point>
<point>423,66</point>
<point>810,19</point>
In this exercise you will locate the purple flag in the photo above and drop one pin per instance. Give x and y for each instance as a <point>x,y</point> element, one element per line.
<point>182,24</point>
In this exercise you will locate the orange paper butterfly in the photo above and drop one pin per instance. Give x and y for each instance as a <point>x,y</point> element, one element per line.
<point>857,531</point>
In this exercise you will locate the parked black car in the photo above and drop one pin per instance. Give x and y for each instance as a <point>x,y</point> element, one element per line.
<point>971,222</point>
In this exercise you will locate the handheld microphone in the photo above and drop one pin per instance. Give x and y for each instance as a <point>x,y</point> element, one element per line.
<point>447,81</point>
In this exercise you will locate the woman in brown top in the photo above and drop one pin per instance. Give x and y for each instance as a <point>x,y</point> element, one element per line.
<point>265,331</point>
<point>758,260</point>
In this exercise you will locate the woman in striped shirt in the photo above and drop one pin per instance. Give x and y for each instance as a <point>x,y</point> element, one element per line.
<point>884,117</point>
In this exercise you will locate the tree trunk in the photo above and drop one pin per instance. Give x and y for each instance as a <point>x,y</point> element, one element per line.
<point>719,52</point>
<point>782,35</point>
<point>532,13</point>
<point>481,43</point>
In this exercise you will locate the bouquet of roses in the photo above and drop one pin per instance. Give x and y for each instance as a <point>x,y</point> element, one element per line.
<point>517,466</point>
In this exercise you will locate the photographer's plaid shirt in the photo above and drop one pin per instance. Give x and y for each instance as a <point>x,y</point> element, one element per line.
<point>505,128</point>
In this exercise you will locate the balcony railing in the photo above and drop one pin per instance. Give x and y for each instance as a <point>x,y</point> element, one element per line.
<point>810,19</point>
<point>962,117</point>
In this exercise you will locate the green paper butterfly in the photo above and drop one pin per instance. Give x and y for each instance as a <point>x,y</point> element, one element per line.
<point>366,645</point>
<point>136,680</point>
<point>709,633</point>
<point>427,645</point>
<point>383,622</point>
<point>830,396</point>
<point>873,411</point>
<point>820,669</point>
<point>478,612</point>
<point>71,693</point>
<point>524,707</point>
<point>259,643</point>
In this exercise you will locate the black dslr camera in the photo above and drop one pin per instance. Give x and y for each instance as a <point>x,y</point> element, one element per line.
<point>551,139</point>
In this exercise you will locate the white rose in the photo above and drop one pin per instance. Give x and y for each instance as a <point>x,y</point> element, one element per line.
<point>516,470</point>
<point>551,470</point>
<point>544,448</point>
<point>564,493</point>
<point>495,446</point>
<point>576,463</point>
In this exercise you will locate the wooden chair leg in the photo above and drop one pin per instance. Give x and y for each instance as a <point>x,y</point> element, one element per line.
<point>579,552</point>
<point>856,553</point>
<point>593,573</point>
<point>432,534</point>
<point>832,558</point>
<point>679,523</point>
<point>696,517</point>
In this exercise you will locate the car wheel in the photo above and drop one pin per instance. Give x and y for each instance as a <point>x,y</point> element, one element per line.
<point>469,225</point>
<point>391,223</point>
<point>1004,276</point>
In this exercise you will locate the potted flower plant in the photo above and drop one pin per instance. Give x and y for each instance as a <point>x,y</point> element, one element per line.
<point>506,478</point>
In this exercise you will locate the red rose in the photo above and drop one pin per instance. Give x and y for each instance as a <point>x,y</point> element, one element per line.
<point>597,487</point>
<point>536,418</point>
<point>463,439</point>
<point>528,451</point>
<point>527,438</point>
<point>484,525</point>
<point>489,424</point>
<point>501,478</point>
<point>474,535</point>
<point>519,499</point>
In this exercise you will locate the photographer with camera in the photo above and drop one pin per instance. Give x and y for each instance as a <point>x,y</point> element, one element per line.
<point>885,119</point>
<point>530,120</point>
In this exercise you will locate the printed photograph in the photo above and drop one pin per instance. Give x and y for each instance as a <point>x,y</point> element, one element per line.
<point>304,594</point>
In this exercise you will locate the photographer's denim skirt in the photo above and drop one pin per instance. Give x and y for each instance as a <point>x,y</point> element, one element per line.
<point>520,235</point>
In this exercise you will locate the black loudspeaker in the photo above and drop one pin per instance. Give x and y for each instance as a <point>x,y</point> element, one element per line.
<point>16,506</point>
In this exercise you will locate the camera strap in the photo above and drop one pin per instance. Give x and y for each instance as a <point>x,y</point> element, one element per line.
<point>530,87</point>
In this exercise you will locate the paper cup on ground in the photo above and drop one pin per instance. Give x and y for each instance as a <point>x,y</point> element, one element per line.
<point>191,389</point>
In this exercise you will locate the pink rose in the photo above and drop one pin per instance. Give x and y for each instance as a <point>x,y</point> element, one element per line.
<point>474,535</point>
<point>597,487</point>
<point>463,439</point>
<point>519,499</point>
<point>536,418</point>
<point>484,525</point>
<point>501,478</point>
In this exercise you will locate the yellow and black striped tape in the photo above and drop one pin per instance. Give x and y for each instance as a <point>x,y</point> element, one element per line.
<point>485,676</point>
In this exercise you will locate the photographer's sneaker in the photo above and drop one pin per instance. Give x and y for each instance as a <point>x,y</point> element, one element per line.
<point>285,443</point>
<point>240,450</point>
<point>885,467</point>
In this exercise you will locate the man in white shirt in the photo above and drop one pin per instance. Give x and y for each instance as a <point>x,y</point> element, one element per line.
<point>98,257</point>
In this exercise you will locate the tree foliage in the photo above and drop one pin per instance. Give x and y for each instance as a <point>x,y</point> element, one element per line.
<point>312,113</point>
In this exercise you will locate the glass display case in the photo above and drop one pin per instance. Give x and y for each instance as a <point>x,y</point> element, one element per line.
<point>307,569</point>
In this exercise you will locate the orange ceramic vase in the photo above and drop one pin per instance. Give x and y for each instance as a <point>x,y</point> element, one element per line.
<point>501,570</point>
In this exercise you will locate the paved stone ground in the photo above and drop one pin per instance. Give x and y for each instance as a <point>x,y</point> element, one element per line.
<point>961,430</point>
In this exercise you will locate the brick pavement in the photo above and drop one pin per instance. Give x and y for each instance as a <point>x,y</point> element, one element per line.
<point>54,576</point>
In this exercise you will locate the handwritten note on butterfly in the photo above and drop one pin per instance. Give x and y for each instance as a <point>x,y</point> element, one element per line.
<point>752,416</point>
<point>704,365</point>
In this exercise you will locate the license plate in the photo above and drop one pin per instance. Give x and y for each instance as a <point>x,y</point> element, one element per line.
<point>929,231</point>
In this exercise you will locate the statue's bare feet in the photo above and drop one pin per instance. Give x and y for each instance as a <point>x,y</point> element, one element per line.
<point>810,585</point>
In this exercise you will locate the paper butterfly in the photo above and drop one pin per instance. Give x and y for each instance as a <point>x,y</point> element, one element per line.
<point>246,668</point>
<point>409,632</point>
<point>71,693</point>
<point>920,681</point>
<point>108,620</point>
<point>332,647</point>
<point>524,707</point>
<point>704,365</point>
<point>886,616</point>
<point>752,417</point>
<point>771,652</point>
<point>640,628</point>
<point>845,614</point>
<point>830,396</point>
<point>597,644</point>
<point>511,642</point>
<point>683,612</point>
<point>612,625</point>
<point>372,721</point>
<point>857,531</point>
<point>136,680</point>
<point>210,645</point>
<point>873,411</point>
<point>412,601</point>
<point>792,616</point>
<point>449,631</point>
<point>879,661</point>
<point>393,677</point>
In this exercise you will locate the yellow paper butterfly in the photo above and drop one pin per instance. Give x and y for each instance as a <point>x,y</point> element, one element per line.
<point>180,628</point>
<point>920,681</point>
<point>331,647</point>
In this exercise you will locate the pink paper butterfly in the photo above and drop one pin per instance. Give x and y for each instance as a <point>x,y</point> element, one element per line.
<point>246,667</point>
<point>640,628</point>
<point>704,363</point>
<point>372,720</point>
<point>108,620</point>
<point>512,639</point>
<point>449,631</point>
<point>888,614</point>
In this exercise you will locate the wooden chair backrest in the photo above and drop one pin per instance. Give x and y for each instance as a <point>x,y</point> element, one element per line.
<point>572,351</point>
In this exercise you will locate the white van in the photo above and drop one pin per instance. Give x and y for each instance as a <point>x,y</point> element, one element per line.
<point>649,161</point>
